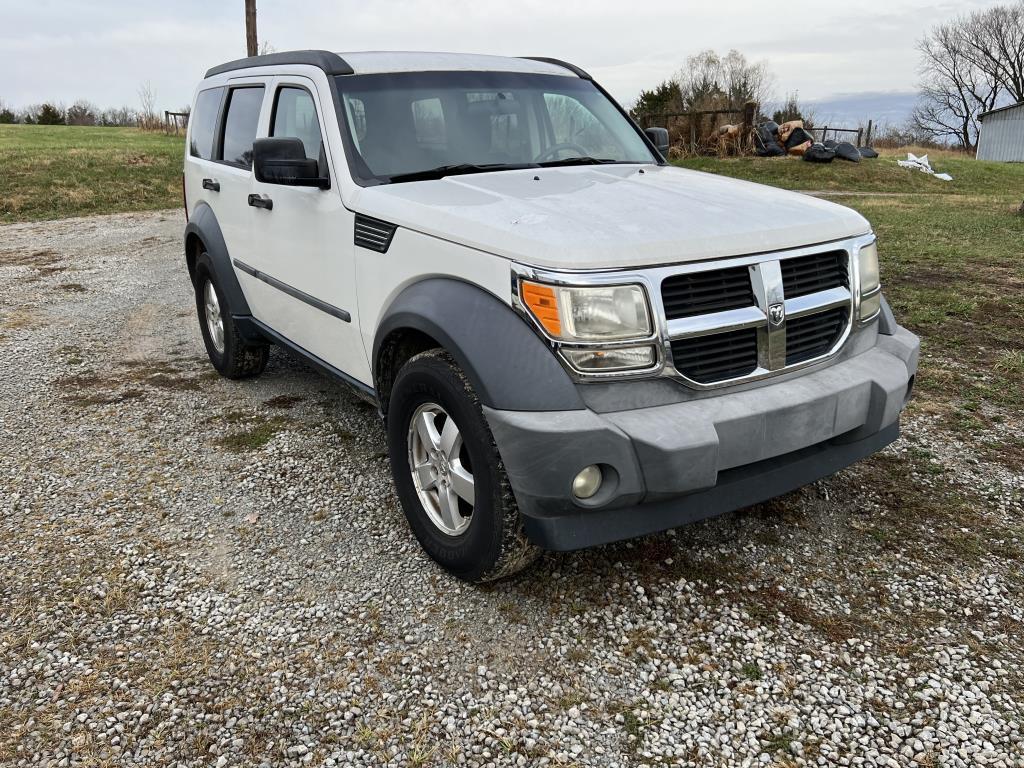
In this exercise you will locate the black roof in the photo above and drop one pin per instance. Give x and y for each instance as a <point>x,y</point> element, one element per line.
<point>983,115</point>
<point>329,62</point>
<point>333,64</point>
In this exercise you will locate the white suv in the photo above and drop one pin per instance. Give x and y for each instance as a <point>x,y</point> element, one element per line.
<point>571,342</point>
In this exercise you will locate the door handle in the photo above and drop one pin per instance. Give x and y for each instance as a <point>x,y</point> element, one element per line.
<point>211,184</point>
<point>261,201</point>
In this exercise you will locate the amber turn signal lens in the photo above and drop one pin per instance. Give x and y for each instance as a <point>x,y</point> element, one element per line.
<point>542,302</point>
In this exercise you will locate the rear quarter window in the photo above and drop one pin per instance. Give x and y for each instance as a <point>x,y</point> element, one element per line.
<point>240,124</point>
<point>204,123</point>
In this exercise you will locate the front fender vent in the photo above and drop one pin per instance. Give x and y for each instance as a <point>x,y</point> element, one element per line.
<point>373,233</point>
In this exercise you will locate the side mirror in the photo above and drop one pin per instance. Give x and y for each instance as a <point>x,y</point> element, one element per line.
<point>284,161</point>
<point>659,138</point>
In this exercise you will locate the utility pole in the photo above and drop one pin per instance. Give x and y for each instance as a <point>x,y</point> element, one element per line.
<point>250,28</point>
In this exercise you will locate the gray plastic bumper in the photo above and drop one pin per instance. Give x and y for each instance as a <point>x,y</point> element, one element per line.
<point>673,464</point>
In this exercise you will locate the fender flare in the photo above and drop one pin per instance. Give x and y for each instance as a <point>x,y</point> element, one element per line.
<point>508,364</point>
<point>203,225</point>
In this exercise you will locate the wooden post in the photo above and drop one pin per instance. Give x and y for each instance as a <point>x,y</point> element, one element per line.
<point>747,131</point>
<point>867,142</point>
<point>251,45</point>
<point>860,135</point>
<point>693,133</point>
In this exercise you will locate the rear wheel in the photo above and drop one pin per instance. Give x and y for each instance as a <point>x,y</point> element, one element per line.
<point>449,475</point>
<point>229,352</point>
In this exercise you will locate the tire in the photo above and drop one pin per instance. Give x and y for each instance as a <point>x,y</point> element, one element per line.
<point>231,355</point>
<point>484,541</point>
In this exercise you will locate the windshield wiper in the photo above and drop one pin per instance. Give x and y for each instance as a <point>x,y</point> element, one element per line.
<point>454,170</point>
<point>585,160</point>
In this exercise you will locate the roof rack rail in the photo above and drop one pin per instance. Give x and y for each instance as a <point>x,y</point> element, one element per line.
<point>331,63</point>
<point>559,63</point>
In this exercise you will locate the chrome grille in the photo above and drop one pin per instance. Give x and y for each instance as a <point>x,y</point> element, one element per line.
<point>816,272</point>
<point>812,336</point>
<point>770,313</point>
<point>720,356</point>
<point>699,293</point>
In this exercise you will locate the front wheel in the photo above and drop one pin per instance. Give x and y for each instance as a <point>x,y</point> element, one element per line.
<point>450,478</point>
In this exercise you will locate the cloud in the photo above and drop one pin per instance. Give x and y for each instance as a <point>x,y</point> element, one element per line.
<point>63,50</point>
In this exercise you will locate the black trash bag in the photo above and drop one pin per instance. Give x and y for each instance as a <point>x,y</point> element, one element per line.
<point>846,151</point>
<point>831,143</point>
<point>798,137</point>
<point>819,153</point>
<point>766,141</point>
<point>771,149</point>
<point>867,152</point>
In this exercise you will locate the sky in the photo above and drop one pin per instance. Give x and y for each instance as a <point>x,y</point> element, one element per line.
<point>854,60</point>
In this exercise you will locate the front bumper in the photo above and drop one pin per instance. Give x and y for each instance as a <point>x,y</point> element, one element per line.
<point>673,464</point>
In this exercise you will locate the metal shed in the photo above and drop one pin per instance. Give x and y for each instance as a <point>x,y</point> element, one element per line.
<point>1002,134</point>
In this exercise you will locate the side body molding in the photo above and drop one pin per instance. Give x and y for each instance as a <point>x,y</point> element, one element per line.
<point>203,224</point>
<point>507,363</point>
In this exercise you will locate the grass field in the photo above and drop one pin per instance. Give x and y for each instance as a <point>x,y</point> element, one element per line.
<point>56,171</point>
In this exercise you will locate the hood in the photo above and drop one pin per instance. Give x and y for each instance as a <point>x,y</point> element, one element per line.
<point>591,217</point>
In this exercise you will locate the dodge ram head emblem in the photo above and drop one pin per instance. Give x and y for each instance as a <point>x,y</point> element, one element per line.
<point>777,313</point>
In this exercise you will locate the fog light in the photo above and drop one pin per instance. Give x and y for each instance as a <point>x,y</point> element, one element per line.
<point>587,482</point>
<point>611,358</point>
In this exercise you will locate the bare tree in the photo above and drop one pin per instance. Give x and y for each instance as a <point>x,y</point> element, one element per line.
<point>147,117</point>
<point>954,89</point>
<point>994,42</point>
<point>119,117</point>
<point>710,81</point>
<point>970,65</point>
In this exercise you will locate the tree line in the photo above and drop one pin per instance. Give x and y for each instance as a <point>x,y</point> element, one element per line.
<point>79,113</point>
<point>970,65</point>
<point>84,112</point>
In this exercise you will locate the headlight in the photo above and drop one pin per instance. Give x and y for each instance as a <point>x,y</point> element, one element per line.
<point>599,313</point>
<point>868,257</point>
<point>870,287</point>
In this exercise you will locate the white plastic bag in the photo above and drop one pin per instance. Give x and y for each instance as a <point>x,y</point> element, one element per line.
<point>922,164</point>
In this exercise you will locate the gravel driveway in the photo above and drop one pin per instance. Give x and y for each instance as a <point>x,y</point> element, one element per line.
<point>200,572</point>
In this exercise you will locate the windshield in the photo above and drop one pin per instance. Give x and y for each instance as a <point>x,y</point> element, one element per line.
<point>408,126</point>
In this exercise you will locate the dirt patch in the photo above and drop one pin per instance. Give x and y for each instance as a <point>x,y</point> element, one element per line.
<point>283,401</point>
<point>72,287</point>
<point>19,318</point>
<point>92,388</point>
<point>38,259</point>
<point>139,160</point>
<point>103,398</point>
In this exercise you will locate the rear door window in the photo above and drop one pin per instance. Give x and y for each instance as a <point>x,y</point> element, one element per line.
<point>204,123</point>
<point>240,124</point>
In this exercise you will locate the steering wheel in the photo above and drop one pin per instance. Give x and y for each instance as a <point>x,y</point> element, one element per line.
<point>554,149</point>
